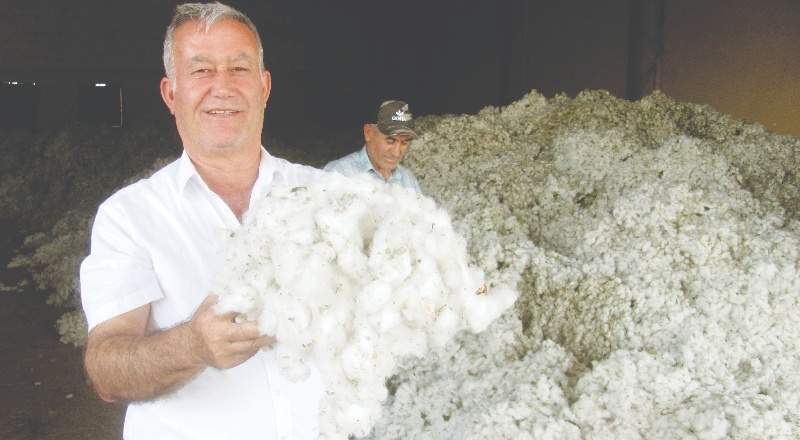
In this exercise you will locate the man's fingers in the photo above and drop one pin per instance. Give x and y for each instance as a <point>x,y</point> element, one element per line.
<point>247,330</point>
<point>248,347</point>
<point>226,342</point>
<point>206,309</point>
<point>210,300</point>
<point>261,342</point>
<point>265,341</point>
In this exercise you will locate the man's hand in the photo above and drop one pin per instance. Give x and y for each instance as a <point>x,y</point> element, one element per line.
<point>126,362</point>
<point>218,341</point>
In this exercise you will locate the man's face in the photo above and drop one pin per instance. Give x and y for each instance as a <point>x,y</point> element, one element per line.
<point>385,152</point>
<point>220,89</point>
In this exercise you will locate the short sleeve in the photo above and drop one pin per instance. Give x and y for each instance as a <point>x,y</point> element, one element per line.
<point>117,276</point>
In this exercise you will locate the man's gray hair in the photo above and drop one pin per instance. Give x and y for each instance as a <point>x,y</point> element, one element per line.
<point>205,14</point>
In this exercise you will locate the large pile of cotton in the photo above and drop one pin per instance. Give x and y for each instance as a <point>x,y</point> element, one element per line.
<point>348,274</point>
<point>656,248</point>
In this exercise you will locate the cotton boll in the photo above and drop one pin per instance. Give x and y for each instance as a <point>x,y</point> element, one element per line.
<point>391,265</point>
<point>404,196</point>
<point>459,277</point>
<point>374,297</point>
<point>481,310</point>
<point>314,278</point>
<point>417,311</point>
<point>287,259</point>
<point>239,296</point>
<point>447,322</point>
<point>339,224</point>
<point>357,419</point>
<point>439,241</point>
<point>322,254</point>
<point>383,364</point>
<point>296,328</point>
<point>280,192</point>
<point>420,299</point>
<point>329,427</point>
<point>389,320</point>
<point>291,362</point>
<point>392,326</point>
<point>302,236</point>
<point>426,280</point>
<point>331,323</point>
<point>364,359</point>
<point>255,249</point>
<point>389,258</point>
<point>259,277</point>
<point>328,220</point>
<point>368,223</point>
<point>408,341</point>
<point>370,391</point>
<point>353,362</point>
<point>350,412</point>
<point>353,262</point>
<point>267,324</point>
<point>439,246</point>
<point>426,266</point>
<point>365,337</point>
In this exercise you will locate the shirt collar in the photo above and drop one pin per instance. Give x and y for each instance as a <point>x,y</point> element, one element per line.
<point>186,171</point>
<point>266,172</point>
<point>366,164</point>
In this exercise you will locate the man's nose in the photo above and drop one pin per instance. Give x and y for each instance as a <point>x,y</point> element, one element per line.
<point>222,86</point>
<point>397,149</point>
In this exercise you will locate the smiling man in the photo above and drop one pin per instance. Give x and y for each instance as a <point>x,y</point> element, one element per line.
<point>386,142</point>
<point>155,340</point>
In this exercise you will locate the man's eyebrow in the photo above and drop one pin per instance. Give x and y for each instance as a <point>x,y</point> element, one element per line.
<point>241,57</point>
<point>199,59</point>
<point>204,59</point>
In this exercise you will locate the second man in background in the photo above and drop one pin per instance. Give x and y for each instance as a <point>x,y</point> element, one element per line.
<point>386,142</point>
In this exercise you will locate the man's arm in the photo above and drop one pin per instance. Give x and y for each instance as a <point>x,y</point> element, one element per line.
<point>125,362</point>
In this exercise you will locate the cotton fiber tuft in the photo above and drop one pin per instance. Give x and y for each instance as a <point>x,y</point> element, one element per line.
<point>350,274</point>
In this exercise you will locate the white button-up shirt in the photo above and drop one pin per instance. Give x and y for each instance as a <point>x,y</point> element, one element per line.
<point>159,241</point>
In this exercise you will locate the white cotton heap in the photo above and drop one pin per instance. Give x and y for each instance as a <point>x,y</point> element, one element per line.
<point>656,246</point>
<point>350,274</point>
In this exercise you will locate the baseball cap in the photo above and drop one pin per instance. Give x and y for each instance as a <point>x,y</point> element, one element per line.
<point>394,118</point>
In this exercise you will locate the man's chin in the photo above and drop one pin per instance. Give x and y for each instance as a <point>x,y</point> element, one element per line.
<point>223,146</point>
<point>220,140</point>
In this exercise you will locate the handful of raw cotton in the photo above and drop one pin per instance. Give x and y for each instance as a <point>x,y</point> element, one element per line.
<point>352,273</point>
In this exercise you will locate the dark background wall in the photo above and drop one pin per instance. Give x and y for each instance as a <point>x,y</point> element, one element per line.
<point>740,56</point>
<point>334,62</point>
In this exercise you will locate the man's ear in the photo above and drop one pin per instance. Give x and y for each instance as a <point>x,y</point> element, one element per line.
<point>266,82</point>
<point>167,94</point>
<point>368,132</point>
